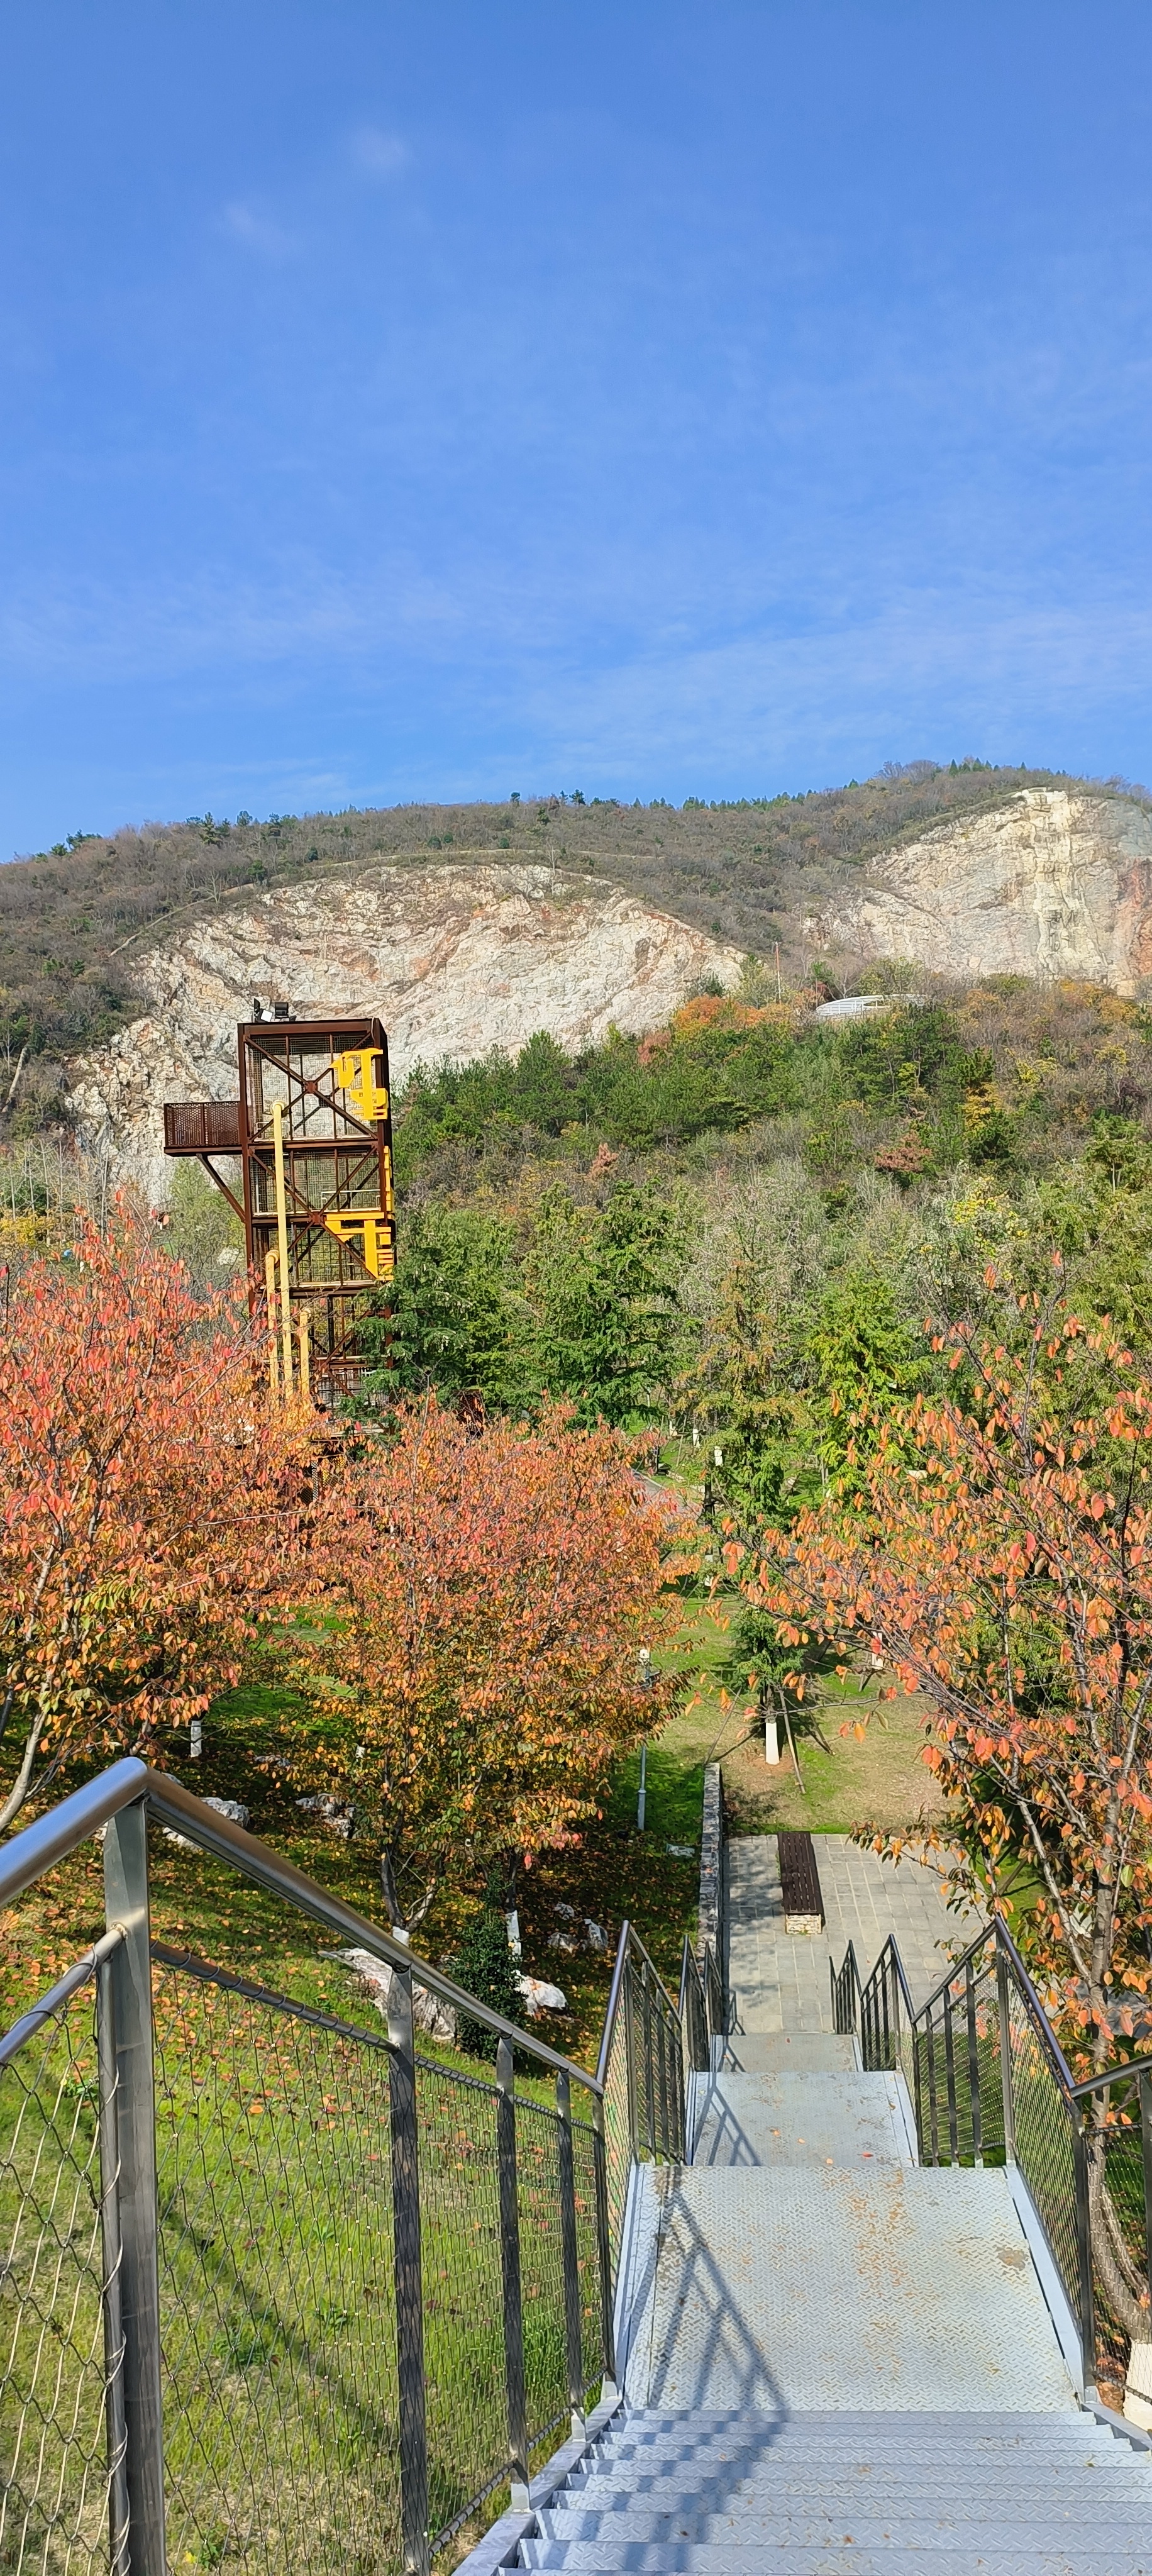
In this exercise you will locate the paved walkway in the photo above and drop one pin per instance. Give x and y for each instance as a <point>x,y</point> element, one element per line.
<point>779,1979</point>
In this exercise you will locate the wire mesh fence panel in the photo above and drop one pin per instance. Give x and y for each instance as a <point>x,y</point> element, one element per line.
<point>672,2087</point>
<point>695,2015</point>
<point>54,2508</point>
<point>276,2284</point>
<point>617,2134</point>
<point>1118,2227</point>
<point>1045,2151</point>
<point>639,2036</point>
<point>990,2070</point>
<point>717,2009</point>
<point>541,2268</point>
<point>587,2255</point>
<point>465,2392</point>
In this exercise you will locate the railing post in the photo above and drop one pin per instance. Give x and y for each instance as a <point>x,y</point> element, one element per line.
<point>918,2085</point>
<point>1004,2016</point>
<point>130,1994</point>
<point>510,2273</point>
<point>112,2258</point>
<point>1087,2313</point>
<point>1146,2142</point>
<point>680,2084</point>
<point>933,2116</point>
<point>604,2249</point>
<point>409,2283</point>
<point>974,2066</point>
<point>569,2252</point>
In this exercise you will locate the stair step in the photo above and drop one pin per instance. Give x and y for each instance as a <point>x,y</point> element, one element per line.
<point>856,2477</point>
<point>803,2052</point>
<point>885,2438</point>
<point>919,2527</point>
<point>788,2118</point>
<point>841,2557</point>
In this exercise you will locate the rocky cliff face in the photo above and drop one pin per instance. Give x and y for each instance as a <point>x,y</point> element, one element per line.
<point>455,960</point>
<point>1049,885</point>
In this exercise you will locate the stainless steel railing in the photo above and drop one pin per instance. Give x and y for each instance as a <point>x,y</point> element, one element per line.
<point>285,2290</point>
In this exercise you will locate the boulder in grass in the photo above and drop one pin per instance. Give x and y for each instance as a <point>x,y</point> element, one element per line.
<point>539,1997</point>
<point>229,1807</point>
<point>435,2018</point>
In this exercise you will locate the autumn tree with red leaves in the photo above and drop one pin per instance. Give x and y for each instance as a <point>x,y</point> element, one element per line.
<point>997,1551</point>
<point>478,1671</point>
<point>148,1499</point>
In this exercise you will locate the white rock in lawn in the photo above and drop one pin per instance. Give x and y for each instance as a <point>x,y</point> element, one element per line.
<point>595,1937</point>
<point>229,1807</point>
<point>429,2014</point>
<point>539,1997</point>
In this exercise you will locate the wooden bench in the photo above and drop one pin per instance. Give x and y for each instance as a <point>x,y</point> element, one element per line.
<point>800,1884</point>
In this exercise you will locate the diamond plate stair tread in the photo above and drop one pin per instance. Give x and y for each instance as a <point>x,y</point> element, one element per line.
<point>793,2117</point>
<point>703,2558</point>
<point>802,2052</point>
<point>877,2515</point>
<point>899,2289</point>
<point>791,2473</point>
<point>914,2527</point>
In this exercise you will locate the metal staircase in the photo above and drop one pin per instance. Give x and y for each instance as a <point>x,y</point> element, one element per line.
<point>849,2342</point>
<point>812,2494</point>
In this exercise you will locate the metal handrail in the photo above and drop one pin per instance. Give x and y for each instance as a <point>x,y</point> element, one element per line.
<point>1096,2083</point>
<point>890,1946</point>
<point>43,1844</point>
<point>948,1980</point>
<point>629,1941</point>
<point>836,1978</point>
<point>635,2110</point>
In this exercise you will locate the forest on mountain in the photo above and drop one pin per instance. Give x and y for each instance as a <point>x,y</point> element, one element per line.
<point>73,918</point>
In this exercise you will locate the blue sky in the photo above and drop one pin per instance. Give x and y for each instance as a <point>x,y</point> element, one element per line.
<point>443,399</point>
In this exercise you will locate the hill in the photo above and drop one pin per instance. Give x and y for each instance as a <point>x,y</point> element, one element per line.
<point>75,921</point>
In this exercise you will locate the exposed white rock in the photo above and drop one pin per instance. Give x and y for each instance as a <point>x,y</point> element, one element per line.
<point>540,1997</point>
<point>456,960</point>
<point>230,1807</point>
<point>429,2013</point>
<point>1049,885</point>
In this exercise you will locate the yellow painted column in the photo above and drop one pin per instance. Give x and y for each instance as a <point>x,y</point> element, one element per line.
<point>273,1345</point>
<point>282,1238</point>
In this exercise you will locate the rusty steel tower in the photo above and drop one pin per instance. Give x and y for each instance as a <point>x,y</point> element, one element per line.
<point>312,1134</point>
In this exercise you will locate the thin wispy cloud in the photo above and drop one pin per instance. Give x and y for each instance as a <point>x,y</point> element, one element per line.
<point>378,154</point>
<point>255,231</point>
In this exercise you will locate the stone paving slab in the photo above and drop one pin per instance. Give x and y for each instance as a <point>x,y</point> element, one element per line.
<point>780,1980</point>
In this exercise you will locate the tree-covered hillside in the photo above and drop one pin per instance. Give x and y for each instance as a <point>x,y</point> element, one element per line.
<point>72,919</point>
<point>740,1222</point>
